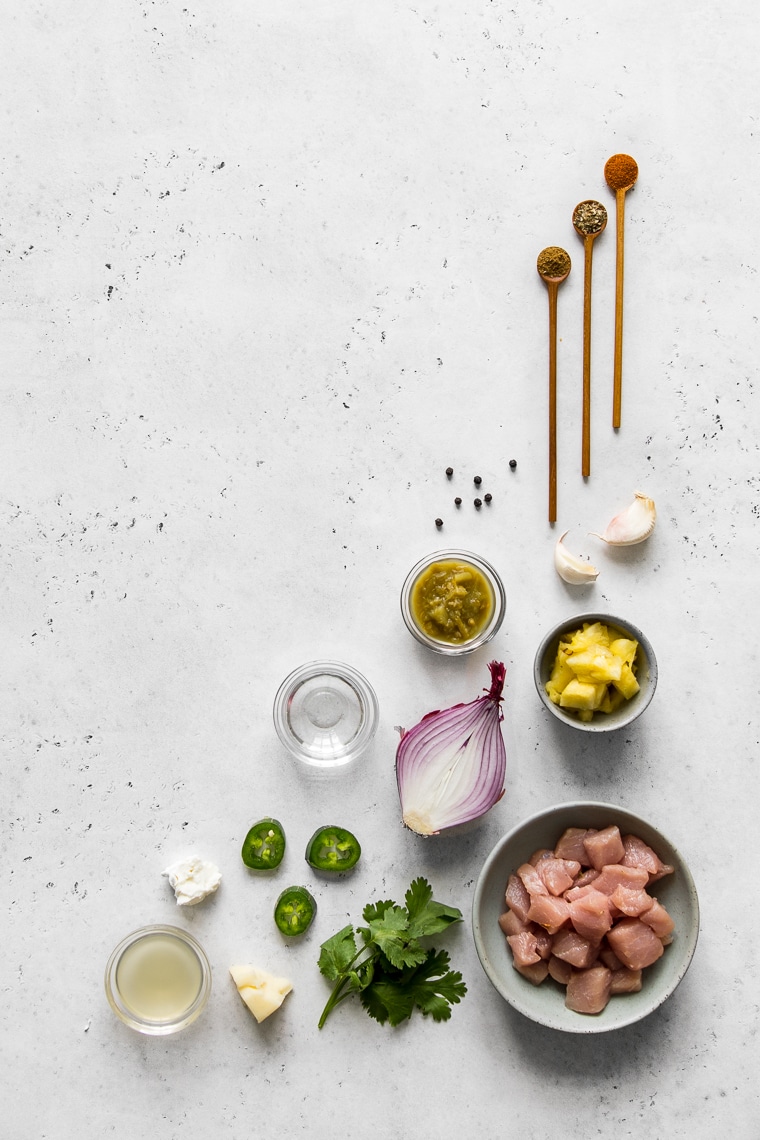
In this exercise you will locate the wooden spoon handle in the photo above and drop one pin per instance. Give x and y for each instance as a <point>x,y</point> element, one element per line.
<point>617,376</point>
<point>553,287</point>
<point>586,440</point>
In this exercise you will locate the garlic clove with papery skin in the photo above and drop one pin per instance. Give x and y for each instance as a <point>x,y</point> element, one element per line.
<point>571,568</point>
<point>632,525</point>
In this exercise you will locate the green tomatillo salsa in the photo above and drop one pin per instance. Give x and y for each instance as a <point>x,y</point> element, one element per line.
<point>452,601</point>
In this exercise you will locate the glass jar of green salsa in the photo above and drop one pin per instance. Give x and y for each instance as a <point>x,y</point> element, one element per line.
<point>453,601</point>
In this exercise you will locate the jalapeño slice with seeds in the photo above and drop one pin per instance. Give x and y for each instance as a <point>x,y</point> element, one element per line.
<point>294,911</point>
<point>264,845</point>
<point>333,849</point>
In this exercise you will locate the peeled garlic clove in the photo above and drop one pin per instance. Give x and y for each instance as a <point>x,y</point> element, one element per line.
<point>632,525</point>
<point>571,568</point>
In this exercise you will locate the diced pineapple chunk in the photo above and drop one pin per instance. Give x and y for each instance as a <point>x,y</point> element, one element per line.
<point>594,671</point>
<point>596,664</point>
<point>582,695</point>
<point>627,685</point>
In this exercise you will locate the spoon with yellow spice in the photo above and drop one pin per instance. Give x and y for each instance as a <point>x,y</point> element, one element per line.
<point>620,173</point>
<point>589,220</point>
<point>553,267</point>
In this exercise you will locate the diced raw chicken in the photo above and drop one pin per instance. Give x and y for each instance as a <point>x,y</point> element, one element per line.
<point>612,877</point>
<point>658,919</point>
<point>536,973</point>
<point>631,902</point>
<point>523,947</point>
<point>625,981</point>
<point>541,853</point>
<point>610,958</point>
<point>588,991</point>
<point>572,947</point>
<point>570,844</point>
<point>531,879</point>
<point>637,853</point>
<point>586,877</point>
<point>558,874</point>
<point>591,916</point>
<point>517,898</point>
<point>635,943</point>
<point>510,923</point>
<point>543,941</point>
<point>560,970</point>
<point>549,912</point>
<point>604,847</point>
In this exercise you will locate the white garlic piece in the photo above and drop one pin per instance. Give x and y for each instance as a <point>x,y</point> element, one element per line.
<point>632,525</point>
<point>571,568</point>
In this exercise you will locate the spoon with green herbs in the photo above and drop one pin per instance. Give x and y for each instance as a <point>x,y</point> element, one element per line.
<point>589,220</point>
<point>553,267</point>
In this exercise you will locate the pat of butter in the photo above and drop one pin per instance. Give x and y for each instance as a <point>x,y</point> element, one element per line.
<point>261,991</point>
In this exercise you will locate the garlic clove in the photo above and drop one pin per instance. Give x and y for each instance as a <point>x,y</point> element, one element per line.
<point>571,568</point>
<point>632,525</point>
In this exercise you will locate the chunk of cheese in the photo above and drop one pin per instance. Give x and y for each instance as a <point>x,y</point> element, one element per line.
<point>261,991</point>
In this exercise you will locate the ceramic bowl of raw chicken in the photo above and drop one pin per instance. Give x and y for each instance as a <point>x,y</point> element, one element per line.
<point>571,955</point>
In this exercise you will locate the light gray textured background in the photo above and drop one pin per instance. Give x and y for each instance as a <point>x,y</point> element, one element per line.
<point>267,269</point>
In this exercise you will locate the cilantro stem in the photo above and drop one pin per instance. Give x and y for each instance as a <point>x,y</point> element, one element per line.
<point>339,991</point>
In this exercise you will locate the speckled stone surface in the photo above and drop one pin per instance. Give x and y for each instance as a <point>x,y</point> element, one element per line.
<point>267,270</point>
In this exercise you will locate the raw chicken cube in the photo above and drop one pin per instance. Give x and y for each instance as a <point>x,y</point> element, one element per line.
<point>572,947</point>
<point>558,874</point>
<point>588,991</point>
<point>639,854</point>
<point>510,923</point>
<point>517,898</point>
<point>536,973</point>
<point>590,915</point>
<point>549,912</point>
<point>570,844</point>
<point>523,947</point>
<point>605,847</point>
<point>532,881</point>
<point>635,943</point>
<point>625,981</point>
<point>658,919</point>
<point>560,970</point>
<point>630,902</point>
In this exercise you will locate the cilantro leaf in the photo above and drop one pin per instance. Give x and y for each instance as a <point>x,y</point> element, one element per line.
<point>434,988</point>
<point>392,972</point>
<point>425,915</point>
<point>337,953</point>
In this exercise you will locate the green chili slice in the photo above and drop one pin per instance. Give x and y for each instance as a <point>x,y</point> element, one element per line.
<point>264,845</point>
<point>294,911</point>
<point>333,849</point>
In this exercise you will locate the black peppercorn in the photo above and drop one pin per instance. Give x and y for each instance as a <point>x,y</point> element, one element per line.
<point>477,480</point>
<point>488,497</point>
<point>457,502</point>
<point>478,504</point>
<point>439,523</point>
<point>449,471</point>
<point>513,463</point>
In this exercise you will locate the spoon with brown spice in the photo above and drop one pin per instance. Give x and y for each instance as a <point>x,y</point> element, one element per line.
<point>620,172</point>
<point>553,267</point>
<point>589,220</point>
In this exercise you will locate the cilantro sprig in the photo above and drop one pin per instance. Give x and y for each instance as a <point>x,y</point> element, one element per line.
<point>388,967</point>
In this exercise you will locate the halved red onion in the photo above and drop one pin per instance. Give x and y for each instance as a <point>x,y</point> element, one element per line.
<point>450,767</point>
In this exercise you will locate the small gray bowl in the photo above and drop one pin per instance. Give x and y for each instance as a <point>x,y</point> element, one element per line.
<point>646,675</point>
<point>545,1004</point>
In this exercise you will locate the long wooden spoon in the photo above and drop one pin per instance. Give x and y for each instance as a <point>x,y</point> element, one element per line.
<point>589,220</point>
<point>620,172</point>
<point>553,266</point>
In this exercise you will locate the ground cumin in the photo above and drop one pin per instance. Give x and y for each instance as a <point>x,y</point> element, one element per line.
<point>553,262</point>
<point>620,172</point>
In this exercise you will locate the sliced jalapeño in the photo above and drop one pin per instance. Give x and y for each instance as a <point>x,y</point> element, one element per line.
<point>264,845</point>
<point>294,911</point>
<point>333,849</point>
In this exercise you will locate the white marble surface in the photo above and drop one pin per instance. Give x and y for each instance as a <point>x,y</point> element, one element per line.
<point>267,270</point>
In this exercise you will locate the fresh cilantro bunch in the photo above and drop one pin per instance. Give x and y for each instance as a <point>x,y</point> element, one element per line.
<point>390,969</point>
